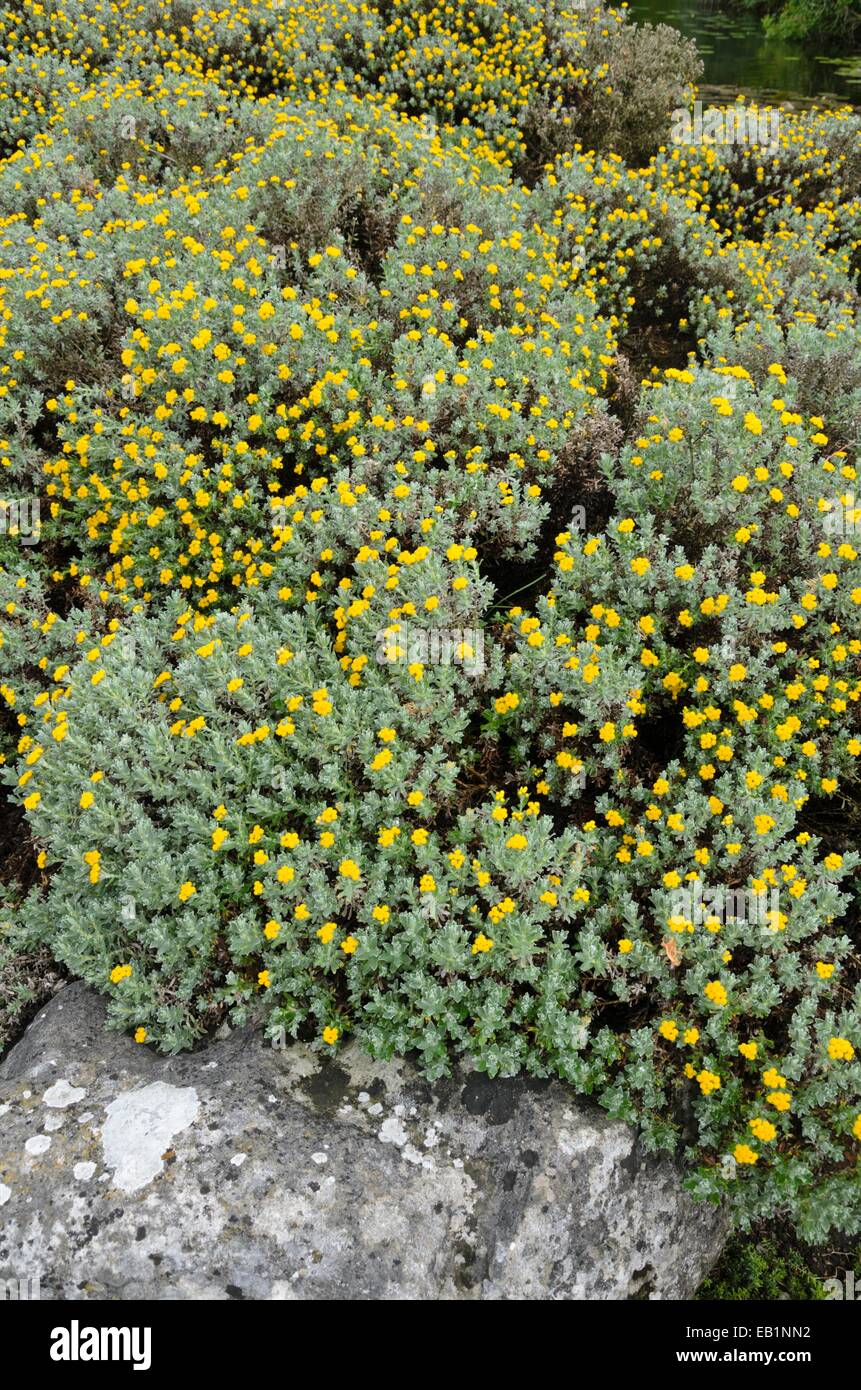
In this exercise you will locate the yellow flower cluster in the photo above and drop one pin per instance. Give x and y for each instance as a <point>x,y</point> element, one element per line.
<point>399,655</point>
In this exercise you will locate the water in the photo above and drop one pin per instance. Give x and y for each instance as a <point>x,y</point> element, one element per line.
<point>739,58</point>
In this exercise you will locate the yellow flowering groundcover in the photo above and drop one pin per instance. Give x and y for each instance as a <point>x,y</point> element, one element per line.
<point>429,573</point>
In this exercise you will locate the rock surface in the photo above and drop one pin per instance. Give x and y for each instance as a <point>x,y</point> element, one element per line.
<point>243,1171</point>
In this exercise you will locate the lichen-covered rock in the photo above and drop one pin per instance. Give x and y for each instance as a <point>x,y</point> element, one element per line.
<point>246,1171</point>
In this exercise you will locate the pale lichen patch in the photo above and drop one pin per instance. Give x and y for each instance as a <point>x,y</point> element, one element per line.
<point>139,1128</point>
<point>61,1094</point>
<point>38,1144</point>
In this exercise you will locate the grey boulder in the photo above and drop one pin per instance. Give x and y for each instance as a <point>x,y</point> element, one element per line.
<point>246,1171</point>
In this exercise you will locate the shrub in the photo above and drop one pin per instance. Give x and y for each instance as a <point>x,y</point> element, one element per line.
<point>383,875</point>
<point>761,1270</point>
<point>392,662</point>
<point>28,979</point>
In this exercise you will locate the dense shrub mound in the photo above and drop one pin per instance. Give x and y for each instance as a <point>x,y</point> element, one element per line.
<point>388,655</point>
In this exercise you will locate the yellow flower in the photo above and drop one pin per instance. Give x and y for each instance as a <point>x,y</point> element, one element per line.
<point>331,1035</point>
<point>140,1035</point>
<point>348,868</point>
<point>742,1154</point>
<point>186,891</point>
<point>763,1129</point>
<point>780,1100</point>
<point>841,1050</point>
<point>481,943</point>
<point>715,991</point>
<point>348,945</point>
<point>709,1082</point>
